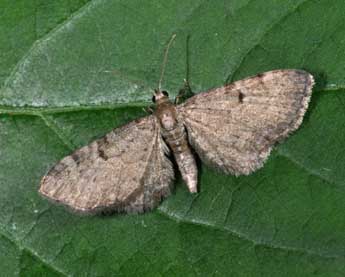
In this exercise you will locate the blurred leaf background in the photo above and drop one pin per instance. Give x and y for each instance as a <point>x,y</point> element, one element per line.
<point>71,70</point>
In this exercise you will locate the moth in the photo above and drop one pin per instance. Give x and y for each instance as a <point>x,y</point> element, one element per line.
<point>232,128</point>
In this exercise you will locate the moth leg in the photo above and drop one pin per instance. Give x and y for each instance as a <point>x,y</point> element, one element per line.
<point>184,93</point>
<point>148,110</point>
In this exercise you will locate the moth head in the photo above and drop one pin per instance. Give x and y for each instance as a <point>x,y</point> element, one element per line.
<point>160,96</point>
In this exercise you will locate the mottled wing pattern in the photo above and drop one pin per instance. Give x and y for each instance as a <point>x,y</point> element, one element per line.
<point>126,171</point>
<point>234,127</point>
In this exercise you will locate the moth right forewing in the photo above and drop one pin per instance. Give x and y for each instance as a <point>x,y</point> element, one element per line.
<point>126,171</point>
<point>234,127</point>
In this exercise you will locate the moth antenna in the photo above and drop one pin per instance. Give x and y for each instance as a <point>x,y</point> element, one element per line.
<point>165,61</point>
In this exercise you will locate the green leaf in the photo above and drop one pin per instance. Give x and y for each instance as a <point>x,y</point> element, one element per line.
<point>70,71</point>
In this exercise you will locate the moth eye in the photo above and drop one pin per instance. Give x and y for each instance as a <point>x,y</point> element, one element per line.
<point>165,93</point>
<point>153,99</point>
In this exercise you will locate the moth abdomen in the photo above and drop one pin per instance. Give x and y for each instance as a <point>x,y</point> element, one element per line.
<point>187,166</point>
<point>178,143</point>
<point>175,135</point>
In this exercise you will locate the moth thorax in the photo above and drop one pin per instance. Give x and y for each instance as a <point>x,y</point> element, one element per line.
<point>168,121</point>
<point>167,116</point>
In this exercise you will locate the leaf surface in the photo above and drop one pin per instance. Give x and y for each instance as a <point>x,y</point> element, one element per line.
<point>70,71</point>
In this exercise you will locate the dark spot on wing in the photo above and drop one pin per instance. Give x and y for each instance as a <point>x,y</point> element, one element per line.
<point>102,154</point>
<point>100,148</point>
<point>240,97</point>
<point>260,78</point>
<point>76,158</point>
<point>260,75</point>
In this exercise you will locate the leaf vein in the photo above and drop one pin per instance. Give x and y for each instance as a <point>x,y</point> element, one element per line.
<point>23,248</point>
<point>242,236</point>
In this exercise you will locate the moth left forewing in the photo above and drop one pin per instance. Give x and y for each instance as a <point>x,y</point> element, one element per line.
<point>126,171</point>
<point>234,127</point>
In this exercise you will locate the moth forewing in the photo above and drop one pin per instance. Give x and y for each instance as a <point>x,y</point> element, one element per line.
<point>126,171</point>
